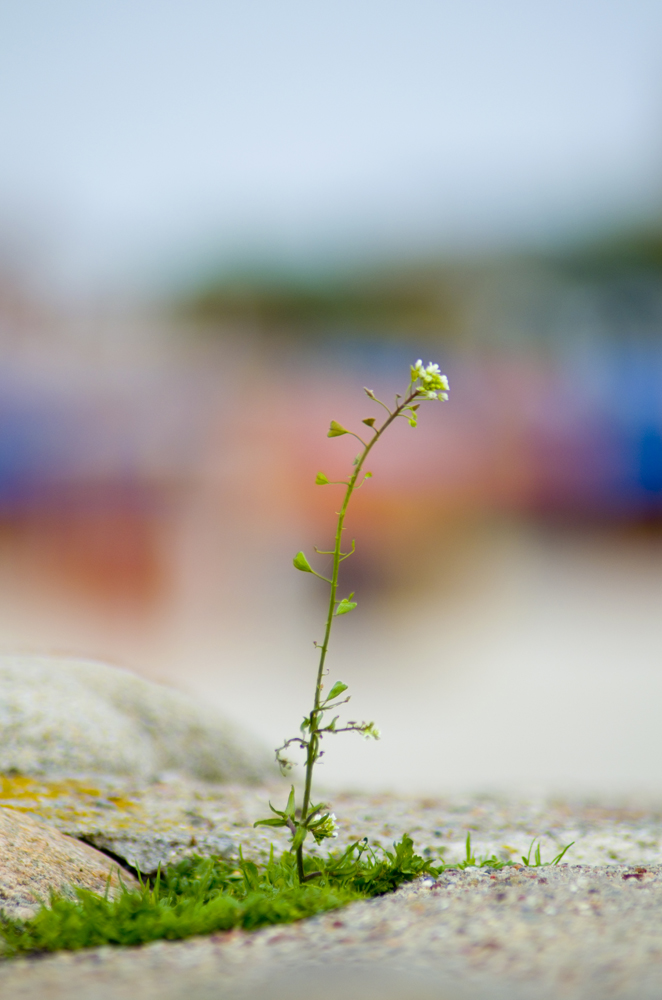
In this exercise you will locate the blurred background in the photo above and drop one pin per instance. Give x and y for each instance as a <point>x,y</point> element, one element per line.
<point>218,222</point>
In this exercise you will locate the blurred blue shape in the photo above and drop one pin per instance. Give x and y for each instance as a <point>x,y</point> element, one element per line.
<point>650,460</point>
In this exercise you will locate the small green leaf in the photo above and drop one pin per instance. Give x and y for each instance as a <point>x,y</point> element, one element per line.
<point>300,562</point>
<point>345,606</point>
<point>337,689</point>
<point>336,429</point>
<point>299,837</point>
<point>271,822</point>
<point>369,421</point>
<point>321,480</point>
<point>290,807</point>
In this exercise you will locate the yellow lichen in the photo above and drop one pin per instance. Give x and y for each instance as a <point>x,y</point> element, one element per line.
<point>65,802</point>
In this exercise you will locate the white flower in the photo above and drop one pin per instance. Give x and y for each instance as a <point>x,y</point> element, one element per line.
<point>431,381</point>
<point>331,825</point>
<point>325,826</point>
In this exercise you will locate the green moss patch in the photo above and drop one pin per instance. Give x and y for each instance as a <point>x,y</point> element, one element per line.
<point>204,895</point>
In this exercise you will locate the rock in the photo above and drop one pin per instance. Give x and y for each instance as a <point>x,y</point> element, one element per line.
<point>145,827</point>
<point>61,716</point>
<point>571,932</point>
<point>36,859</point>
<point>146,852</point>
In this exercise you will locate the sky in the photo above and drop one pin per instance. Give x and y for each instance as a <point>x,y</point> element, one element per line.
<point>141,138</point>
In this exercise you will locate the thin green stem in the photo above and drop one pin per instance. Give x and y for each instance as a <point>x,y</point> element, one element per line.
<point>312,753</point>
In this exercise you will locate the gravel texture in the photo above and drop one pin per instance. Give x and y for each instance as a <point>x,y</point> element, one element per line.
<point>586,930</point>
<point>145,824</point>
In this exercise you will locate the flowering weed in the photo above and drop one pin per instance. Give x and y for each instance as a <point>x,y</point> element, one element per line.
<point>203,895</point>
<point>426,383</point>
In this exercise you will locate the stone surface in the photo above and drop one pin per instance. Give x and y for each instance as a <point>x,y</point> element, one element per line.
<point>576,931</point>
<point>602,832</point>
<point>143,825</point>
<point>572,932</point>
<point>36,859</point>
<point>63,716</point>
<point>160,822</point>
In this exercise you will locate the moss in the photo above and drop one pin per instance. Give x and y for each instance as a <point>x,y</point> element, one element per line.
<point>204,895</point>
